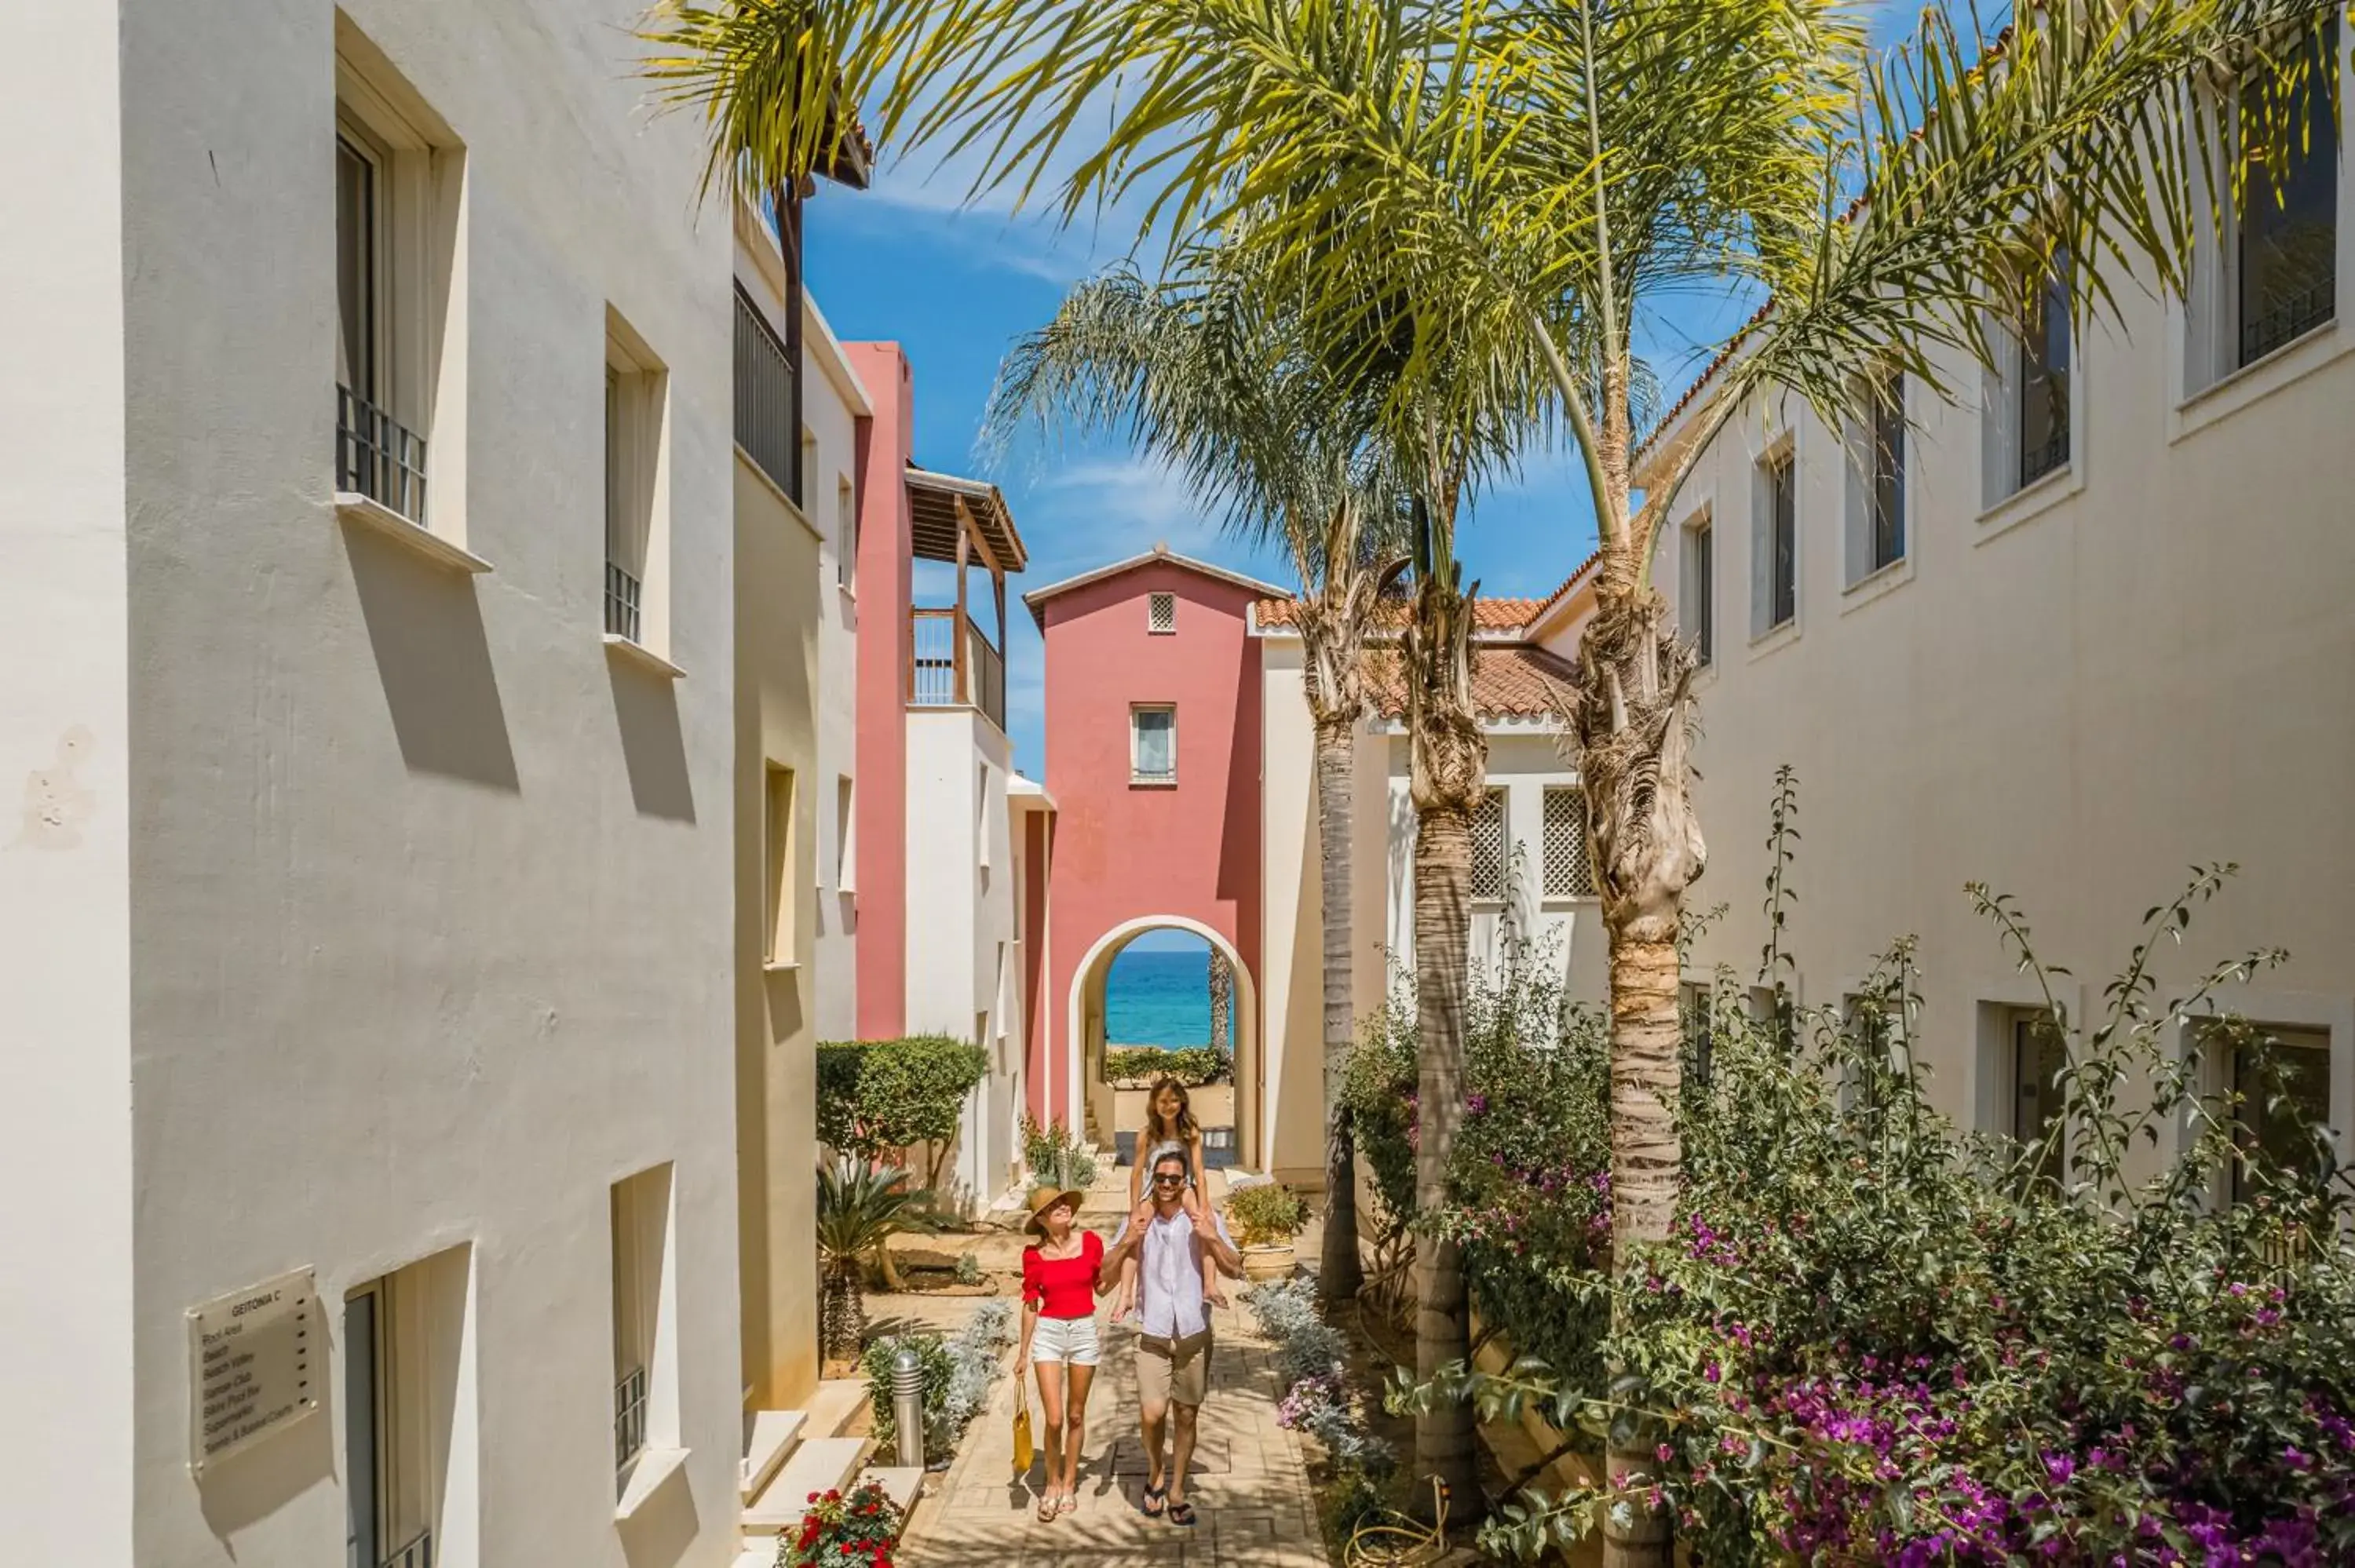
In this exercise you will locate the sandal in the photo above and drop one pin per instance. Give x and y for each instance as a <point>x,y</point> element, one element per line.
<point>1070,1504</point>
<point>1181,1514</point>
<point>1050,1507</point>
<point>1151,1507</point>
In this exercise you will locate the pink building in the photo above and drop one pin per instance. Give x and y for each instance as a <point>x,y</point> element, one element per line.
<point>1153,737</point>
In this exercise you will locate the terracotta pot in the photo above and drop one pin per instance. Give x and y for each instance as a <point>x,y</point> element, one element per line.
<point>1270,1260</point>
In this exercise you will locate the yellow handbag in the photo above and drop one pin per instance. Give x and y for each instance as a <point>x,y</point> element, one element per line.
<point>1021,1429</point>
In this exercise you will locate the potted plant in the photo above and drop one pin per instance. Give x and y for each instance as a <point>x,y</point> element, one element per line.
<point>1266,1217</point>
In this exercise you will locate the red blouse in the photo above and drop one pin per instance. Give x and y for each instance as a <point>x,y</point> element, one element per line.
<point>1063,1286</point>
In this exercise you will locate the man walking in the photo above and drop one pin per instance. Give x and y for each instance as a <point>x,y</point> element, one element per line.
<point>1173,1338</point>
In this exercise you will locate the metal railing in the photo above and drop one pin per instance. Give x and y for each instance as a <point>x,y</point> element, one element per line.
<point>986,674</point>
<point>418,1553</point>
<point>629,1417</point>
<point>765,421</point>
<point>2292,317</point>
<point>378,456</point>
<point>2037,461</point>
<point>622,589</point>
<point>933,674</point>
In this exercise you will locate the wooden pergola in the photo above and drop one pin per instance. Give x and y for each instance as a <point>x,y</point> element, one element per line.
<point>958,522</point>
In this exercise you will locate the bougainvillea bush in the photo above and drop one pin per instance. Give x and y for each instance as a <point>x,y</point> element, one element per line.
<point>1877,1340</point>
<point>860,1529</point>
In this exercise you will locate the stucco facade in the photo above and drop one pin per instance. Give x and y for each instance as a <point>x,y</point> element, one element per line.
<point>371,913</point>
<point>838,417</point>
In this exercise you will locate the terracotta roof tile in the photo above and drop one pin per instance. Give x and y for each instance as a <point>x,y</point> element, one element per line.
<point>1510,682</point>
<point>1487,614</point>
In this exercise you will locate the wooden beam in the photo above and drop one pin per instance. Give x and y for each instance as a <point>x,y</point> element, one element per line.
<point>971,524</point>
<point>965,552</point>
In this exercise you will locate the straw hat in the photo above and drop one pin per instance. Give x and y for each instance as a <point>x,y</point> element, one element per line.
<point>1048,1199</point>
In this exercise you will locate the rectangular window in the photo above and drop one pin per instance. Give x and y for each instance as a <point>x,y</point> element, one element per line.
<point>1699,605</point>
<point>644,1398</point>
<point>1488,849</point>
<point>376,454</point>
<point>1776,535</point>
<point>402,1354</point>
<point>981,818</point>
<point>2270,1115</point>
<point>846,834</point>
<point>2285,259</point>
<point>1153,744</point>
<point>1161,613</point>
<point>635,385</point>
<point>2037,1057</point>
<point>846,533</point>
<point>1887,492</point>
<point>777,846</point>
<point>2043,408</point>
<point>1696,1013</point>
<point>1567,873</point>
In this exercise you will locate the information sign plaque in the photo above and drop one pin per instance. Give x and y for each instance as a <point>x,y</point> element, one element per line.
<point>250,1361</point>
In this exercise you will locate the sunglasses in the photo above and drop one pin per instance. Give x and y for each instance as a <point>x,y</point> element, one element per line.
<point>1160,1180</point>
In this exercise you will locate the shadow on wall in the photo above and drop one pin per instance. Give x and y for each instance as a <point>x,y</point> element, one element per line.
<point>663,1528</point>
<point>654,748</point>
<point>425,627</point>
<point>246,1488</point>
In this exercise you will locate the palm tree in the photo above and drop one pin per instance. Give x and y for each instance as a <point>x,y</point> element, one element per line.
<point>1524,182</point>
<point>1200,376</point>
<point>860,1207</point>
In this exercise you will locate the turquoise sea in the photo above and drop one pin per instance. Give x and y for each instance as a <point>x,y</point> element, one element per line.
<point>1158,999</point>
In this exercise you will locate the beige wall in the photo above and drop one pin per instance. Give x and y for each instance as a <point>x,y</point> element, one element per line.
<point>2145,663</point>
<point>834,404</point>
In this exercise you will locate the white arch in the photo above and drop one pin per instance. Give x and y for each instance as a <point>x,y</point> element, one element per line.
<point>1246,1015</point>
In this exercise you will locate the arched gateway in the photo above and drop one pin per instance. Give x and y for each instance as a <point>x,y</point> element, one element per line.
<point>1104,1111</point>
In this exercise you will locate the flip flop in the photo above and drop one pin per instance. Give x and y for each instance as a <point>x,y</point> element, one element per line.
<point>1151,1507</point>
<point>1181,1514</point>
<point>1049,1509</point>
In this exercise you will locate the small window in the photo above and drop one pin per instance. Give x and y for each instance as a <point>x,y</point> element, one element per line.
<point>2272,1117</point>
<point>1877,504</point>
<point>2038,1101</point>
<point>634,386</point>
<point>1568,874</point>
<point>981,817</point>
<point>2285,256</point>
<point>1153,744</point>
<point>1698,603</point>
<point>1488,849</point>
<point>846,533</point>
<point>1776,554</point>
<point>2043,408</point>
<point>778,848</point>
<point>399,1370</point>
<point>845,835</point>
<point>644,1404</point>
<point>1161,614</point>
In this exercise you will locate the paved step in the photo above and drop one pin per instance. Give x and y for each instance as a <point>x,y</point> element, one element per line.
<point>817,1465</point>
<point>760,1552</point>
<point>901,1483</point>
<point>769,1436</point>
<point>838,1399</point>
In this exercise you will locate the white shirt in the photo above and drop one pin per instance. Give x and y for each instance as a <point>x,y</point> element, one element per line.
<point>1169,1276</point>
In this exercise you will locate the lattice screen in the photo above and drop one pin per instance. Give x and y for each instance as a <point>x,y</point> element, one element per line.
<point>1161,612</point>
<point>1488,848</point>
<point>1567,874</point>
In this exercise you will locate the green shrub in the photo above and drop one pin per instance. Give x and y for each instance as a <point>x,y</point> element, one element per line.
<point>877,1096</point>
<point>1056,1156</point>
<point>1139,1066</point>
<point>1265,1212</point>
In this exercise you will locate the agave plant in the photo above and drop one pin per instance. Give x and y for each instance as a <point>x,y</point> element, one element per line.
<point>860,1207</point>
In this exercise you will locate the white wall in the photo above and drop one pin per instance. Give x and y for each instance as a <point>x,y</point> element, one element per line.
<point>2145,663</point>
<point>65,771</point>
<point>430,895</point>
<point>833,402</point>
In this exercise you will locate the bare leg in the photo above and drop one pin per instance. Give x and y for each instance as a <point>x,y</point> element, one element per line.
<point>1075,1430</point>
<point>1050,1405</point>
<point>1182,1443</point>
<point>1151,1417</point>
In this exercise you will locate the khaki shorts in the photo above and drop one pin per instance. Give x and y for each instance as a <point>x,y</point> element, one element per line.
<point>1173,1371</point>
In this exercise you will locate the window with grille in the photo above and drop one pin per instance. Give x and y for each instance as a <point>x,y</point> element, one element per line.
<point>1568,874</point>
<point>1488,849</point>
<point>2286,259</point>
<point>1153,744</point>
<point>1775,550</point>
<point>1161,613</point>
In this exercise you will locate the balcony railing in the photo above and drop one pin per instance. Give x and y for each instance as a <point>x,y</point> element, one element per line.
<point>622,589</point>
<point>629,1417</point>
<point>418,1553</point>
<point>2039,461</point>
<point>378,456</point>
<point>2290,316</point>
<point>939,678</point>
<point>766,425</point>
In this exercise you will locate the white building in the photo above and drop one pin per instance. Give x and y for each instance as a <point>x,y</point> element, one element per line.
<point>835,410</point>
<point>365,478</point>
<point>2070,635</point>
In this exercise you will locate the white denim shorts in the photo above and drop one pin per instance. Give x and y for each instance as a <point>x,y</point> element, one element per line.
<point>1071,1339</point>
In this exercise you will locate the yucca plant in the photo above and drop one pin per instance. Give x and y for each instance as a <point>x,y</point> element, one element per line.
<point>859,1208</point>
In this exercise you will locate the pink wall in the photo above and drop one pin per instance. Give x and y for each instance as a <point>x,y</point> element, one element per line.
<point>885,587</point>
<point>1123,851</point>
<point>1040,1065</point>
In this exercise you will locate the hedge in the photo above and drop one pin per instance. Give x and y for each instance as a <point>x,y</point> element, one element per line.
<point>1142,1064</point>
<point>876,1096</point>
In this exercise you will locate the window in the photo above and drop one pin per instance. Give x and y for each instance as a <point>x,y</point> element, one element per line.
<point>645,1406</point>
<point>2038,1101</point>
<point>1161,614</point>
<point>397,174</point>
<point>807,496</point>
<point>1696,1013</point>
<point>1153,744</point>
<point>2284,255</point>
<point>1776,554</point>
<point>846,845</point>
<point>401,1357</point>
<point>1567,873</point>
<point>1876,533</point>
<point>1699,605</point>
<point>1488,849</point>
<point>981,818</point>
<point>2042,410</point>
<point>778,846</point>
<point>635,385</point>
<point>2275,1109</point>
<point>846,533</point>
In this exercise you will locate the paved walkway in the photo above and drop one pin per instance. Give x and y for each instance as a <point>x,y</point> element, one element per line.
<point>1249,1485</point>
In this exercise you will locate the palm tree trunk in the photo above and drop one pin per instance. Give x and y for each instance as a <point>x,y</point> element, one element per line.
<point>1443,1441</point>
<point>1340,1274</point>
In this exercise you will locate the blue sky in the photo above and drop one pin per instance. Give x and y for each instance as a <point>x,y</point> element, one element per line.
<point>908,261</point>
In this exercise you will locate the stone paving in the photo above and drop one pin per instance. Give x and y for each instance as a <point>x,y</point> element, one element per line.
<point>1249,1483</point>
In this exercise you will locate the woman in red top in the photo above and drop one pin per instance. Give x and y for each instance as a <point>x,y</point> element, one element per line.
<point>1059,1335</point>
